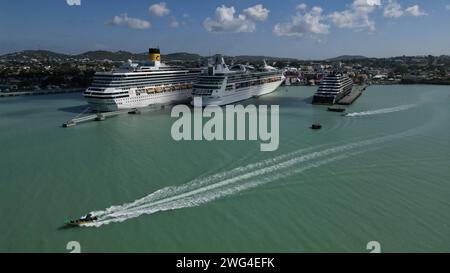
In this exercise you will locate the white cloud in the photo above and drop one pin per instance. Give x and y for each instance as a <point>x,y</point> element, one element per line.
<point>447,7</point>
<point>357,15</point>
<point>303,23</point>
<point>301,7</point>
<point>226,20</point>
<point>373,2</point>
<point>257,13</point>
<point>73,2</point>
<point>134,23</point>
<point>159,9</point>
<point>394,10</point>
<point>174,23</point>
<point>415,11</point>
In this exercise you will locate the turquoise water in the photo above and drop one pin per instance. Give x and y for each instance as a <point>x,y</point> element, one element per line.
<point>380,175</point>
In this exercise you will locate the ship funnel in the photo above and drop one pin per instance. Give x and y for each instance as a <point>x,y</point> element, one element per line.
<point>154,54</point>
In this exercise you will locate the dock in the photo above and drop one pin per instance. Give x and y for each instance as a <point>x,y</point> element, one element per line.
<point>353,96</point>
<point>102,116</point>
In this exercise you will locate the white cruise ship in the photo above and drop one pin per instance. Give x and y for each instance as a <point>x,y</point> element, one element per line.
<point>223,85</point>
<point>139,85</point>
<point>333,88</point>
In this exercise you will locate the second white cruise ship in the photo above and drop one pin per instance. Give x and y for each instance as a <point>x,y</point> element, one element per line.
<point>223,85</point>
<point>140,85</point>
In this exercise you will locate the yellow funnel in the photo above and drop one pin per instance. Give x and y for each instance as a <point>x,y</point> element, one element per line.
<point>154,54</point>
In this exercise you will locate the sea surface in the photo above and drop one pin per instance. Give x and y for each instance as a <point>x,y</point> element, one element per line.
<point>380,174</point>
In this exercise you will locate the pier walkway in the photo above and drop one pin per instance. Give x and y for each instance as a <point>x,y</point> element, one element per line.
<point>353,96</point>
<point>101,116</point>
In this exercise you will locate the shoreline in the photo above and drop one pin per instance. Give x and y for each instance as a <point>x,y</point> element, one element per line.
<point>40,92</point>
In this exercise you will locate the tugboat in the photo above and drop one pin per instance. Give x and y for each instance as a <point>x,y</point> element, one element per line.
<point>69,124</point>
<point>100,117</point>
<point>316,126</point>
<point>83,220</point>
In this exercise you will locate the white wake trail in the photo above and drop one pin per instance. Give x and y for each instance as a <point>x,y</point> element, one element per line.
<point>200,182</point>
<point>382,111</point>
<point>193,200</point>
<point>205,190</point>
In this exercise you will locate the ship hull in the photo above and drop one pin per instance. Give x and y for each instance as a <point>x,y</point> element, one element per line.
<point>141,101</point>
<point>330,100</point>
<point>240,95</point>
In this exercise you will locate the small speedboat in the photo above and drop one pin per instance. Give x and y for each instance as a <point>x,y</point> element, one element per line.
<point>316,126</point>
<point>82,221</point>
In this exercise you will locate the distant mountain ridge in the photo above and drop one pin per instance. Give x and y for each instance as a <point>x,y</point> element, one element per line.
<point>98,55</point>
<point>108,55</point>
<point>101,55</point>
<point>34,54</point>
<point>347,58</point>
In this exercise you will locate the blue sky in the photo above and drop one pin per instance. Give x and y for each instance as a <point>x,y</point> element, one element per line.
<point>286,28</point>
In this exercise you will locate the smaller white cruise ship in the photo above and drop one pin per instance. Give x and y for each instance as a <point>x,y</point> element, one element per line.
<point>140,85</point>
<point>333,88</point>
<point>224,85</point>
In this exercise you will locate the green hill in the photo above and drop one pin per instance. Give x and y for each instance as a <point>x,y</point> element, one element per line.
<point>122,56</point>
<point>347,58</point>
<point>108,55</point>
<point>35,54</point>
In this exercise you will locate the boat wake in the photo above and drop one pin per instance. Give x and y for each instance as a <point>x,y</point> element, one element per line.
<point>207,189</point>
<point>381,111</point>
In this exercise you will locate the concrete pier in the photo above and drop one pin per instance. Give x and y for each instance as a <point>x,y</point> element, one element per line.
<point>94,117</point>
<point>104,115</point>
<point>353,96</point>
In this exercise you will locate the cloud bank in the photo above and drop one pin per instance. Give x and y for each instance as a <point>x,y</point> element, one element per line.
<point>73,2</point>
<point>357,16</point>
<point>305,22</point>
<point>130,22</point>
<point>226,19</point>
<point>159,10</point>
<point>394,10</point>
